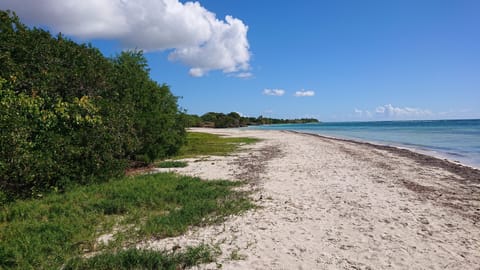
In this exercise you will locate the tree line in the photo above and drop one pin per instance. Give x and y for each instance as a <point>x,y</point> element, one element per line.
<point>233,119</point>
<point>69,115</point>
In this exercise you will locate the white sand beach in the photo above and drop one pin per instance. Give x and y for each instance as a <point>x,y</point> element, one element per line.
<point>333,204</point>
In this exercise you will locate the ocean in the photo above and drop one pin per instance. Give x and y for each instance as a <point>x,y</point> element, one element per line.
<point>456,140</point>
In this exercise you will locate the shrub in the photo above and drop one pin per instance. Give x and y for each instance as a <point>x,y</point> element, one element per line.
<point>71,116</point>
<point>48,147</point>
<point>158,126</point>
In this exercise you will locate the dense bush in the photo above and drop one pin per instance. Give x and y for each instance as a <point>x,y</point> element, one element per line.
<point>158,126</point>
<point>46,146</point>
<point>68,115</point>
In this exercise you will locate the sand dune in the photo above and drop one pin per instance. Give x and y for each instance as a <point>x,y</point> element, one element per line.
<point>333,204</point>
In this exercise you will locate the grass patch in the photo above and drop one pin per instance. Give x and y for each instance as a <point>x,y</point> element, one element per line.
<point>205,144</point>
<point>46,233</point>
<point>145,259</point>
<point>171,164</point>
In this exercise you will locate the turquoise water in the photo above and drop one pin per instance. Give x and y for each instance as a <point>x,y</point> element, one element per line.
<point>457,140</point>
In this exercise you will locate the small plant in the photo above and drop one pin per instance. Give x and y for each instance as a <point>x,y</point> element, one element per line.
<point>172,164</point>
<point>236,256</point>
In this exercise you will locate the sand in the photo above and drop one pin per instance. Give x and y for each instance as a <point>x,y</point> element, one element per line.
<point>337,204</point>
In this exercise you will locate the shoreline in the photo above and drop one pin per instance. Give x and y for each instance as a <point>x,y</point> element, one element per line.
<point>467,157</point>
<point>328,203</point>
<point>424,158</point>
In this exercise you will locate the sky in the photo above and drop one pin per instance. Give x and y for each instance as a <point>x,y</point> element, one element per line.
<point>334,60</point>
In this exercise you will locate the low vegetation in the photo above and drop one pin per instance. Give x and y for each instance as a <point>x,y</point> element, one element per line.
<point>205,144</point>
<point>45,233</point>
<point>171,164</point>
<point>145,259</point>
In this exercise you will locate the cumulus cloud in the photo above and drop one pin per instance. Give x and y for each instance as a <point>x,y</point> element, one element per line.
<point>362,113</point>
<point>304,93</point>
<point>390,111</point>
<point>273,92</point>
<point>195,35</point>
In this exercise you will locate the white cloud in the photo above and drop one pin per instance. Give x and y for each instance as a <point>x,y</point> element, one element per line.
<point>197,37</point>
<point>362,113</point>
<point>389,111</point>
<point>273,92</point>
<point>304,93</point>
<point>380,110</point>
<point>244,75</point>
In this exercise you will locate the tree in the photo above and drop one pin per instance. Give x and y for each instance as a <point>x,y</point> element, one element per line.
<point>158,127</point>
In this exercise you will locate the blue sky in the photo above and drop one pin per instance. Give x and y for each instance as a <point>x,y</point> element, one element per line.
<point>332,60</point>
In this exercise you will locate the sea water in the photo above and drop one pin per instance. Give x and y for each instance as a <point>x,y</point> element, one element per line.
<point>457,140</point>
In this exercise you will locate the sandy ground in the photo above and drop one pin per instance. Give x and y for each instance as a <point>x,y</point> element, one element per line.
<point>335,204</point>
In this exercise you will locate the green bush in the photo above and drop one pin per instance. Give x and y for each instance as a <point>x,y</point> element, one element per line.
<point>69,115</point>
<point>48,147</point>
<point>158,126</point>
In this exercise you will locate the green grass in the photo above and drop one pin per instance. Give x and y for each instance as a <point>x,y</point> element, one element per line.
<point>48,232</point>
<point>145,259</point>
<point>58,230</point>
<point>171,164</point>
<point>204,144</point>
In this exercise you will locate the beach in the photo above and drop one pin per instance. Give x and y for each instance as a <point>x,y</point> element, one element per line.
<point>327,203</point>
